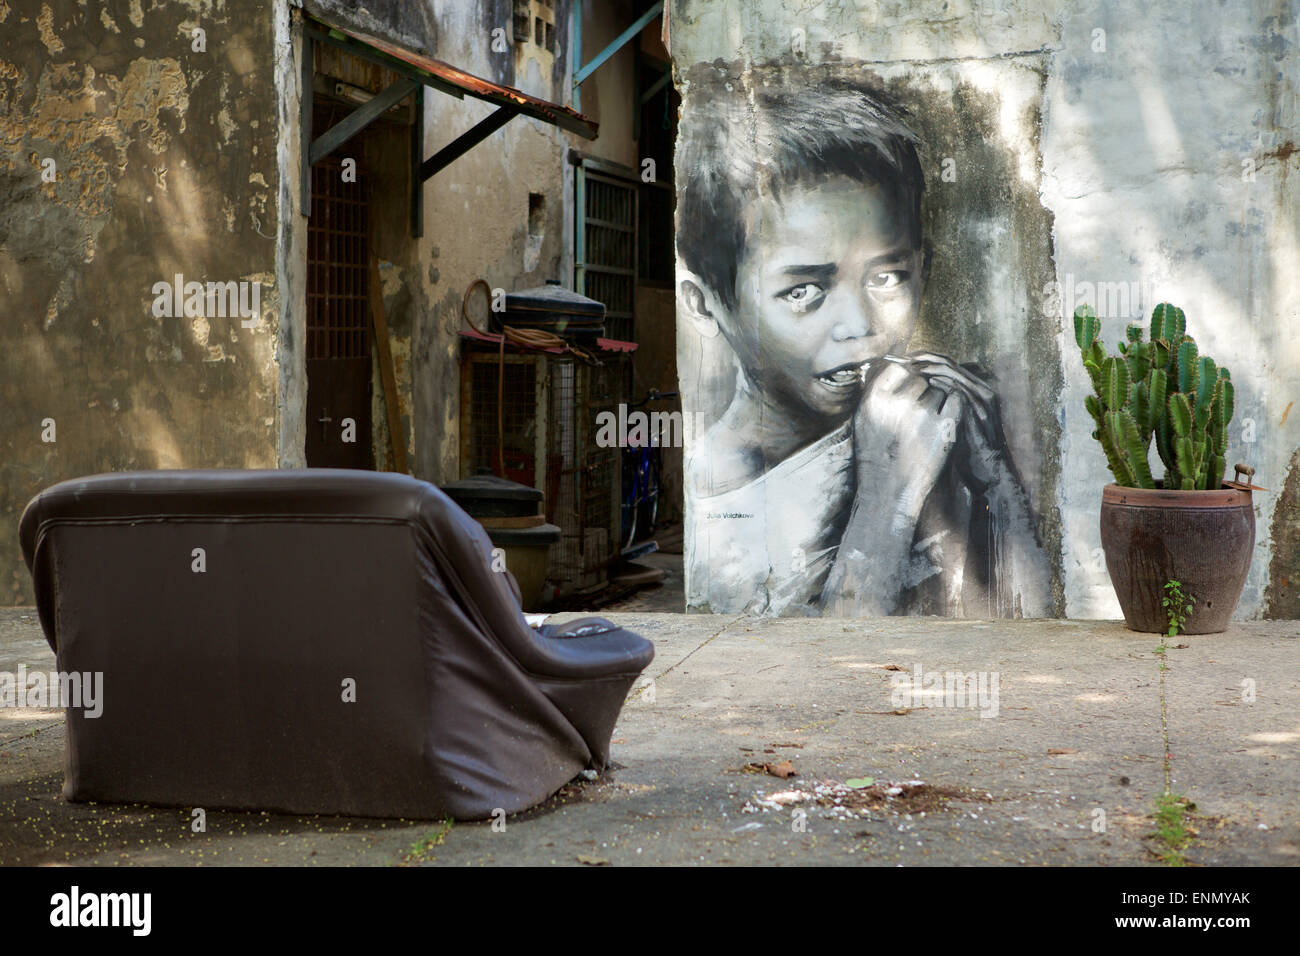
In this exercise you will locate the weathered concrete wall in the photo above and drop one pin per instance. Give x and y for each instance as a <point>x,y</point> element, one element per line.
<point>164,163</point>
<point>1096,148</point>
<point>607,94</point>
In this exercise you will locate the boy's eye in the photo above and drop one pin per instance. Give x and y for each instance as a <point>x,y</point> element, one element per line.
<point>802,297</point>
<point>888,280</point>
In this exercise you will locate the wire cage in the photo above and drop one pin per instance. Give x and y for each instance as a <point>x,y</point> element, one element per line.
<point>549,409</point>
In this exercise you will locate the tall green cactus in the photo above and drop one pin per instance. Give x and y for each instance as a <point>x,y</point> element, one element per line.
<point>1162,388</point>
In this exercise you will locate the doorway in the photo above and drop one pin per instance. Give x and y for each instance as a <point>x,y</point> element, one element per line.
<point>338,318</point>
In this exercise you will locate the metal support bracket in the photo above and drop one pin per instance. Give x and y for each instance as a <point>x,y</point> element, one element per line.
<point>412,79</point>
<point>599,59</point>
<point>466,141</point>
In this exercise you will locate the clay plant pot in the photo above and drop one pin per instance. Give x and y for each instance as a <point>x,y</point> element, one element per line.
<point>1203,539</point>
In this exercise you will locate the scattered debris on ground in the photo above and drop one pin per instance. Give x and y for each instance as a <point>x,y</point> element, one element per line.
<point>784,769</point>
<point>421,851</point>
<point>864,797</point>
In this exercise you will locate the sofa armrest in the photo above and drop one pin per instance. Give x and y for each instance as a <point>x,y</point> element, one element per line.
<point>593,646</point>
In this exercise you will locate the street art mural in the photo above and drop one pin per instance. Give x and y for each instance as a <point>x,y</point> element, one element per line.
<point>845,471</point>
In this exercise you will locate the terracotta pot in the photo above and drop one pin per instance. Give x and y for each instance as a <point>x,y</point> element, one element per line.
<point>1203,539</point>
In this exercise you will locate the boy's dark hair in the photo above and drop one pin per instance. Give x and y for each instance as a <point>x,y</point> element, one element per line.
<point>734,141</point>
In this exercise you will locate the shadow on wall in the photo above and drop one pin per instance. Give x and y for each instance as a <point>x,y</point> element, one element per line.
<point>158,162</point>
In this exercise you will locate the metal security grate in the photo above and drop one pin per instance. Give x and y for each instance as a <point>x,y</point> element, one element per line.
<point>518,418</point>
<point>551,403</point>
<point>581,476</point>
<point>338,317</point>
<point>610,250</point>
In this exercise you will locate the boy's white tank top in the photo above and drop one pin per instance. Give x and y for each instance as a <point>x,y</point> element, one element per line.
<point>767,546</point>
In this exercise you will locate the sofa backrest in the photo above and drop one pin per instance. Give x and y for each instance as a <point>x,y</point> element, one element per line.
<point>259,633</point>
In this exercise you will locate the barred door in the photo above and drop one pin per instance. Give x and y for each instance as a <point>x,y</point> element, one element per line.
<point>338,321</point>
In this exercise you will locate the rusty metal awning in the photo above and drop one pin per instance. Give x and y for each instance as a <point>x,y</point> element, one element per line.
<point>415,72</point>
<point>443,75</point>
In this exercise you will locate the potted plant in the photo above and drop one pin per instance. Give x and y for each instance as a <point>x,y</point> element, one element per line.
<point>1189,526</point>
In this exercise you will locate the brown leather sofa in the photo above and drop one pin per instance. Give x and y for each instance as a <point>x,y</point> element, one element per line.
<point>311,641</point>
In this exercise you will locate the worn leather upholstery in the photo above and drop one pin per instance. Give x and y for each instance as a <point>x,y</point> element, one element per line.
<point>225,687</point>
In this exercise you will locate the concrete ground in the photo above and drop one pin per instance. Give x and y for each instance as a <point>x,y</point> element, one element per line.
<point>1064,768</point>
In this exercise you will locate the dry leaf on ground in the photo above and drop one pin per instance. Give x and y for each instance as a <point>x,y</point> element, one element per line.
<point>785,769</point>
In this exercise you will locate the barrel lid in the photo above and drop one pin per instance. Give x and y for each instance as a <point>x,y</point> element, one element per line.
<point>487,486</point>
<point>543,534</point>
<point>553,297</point>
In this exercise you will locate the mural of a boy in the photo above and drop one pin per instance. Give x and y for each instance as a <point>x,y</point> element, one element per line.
<point>846,476</point>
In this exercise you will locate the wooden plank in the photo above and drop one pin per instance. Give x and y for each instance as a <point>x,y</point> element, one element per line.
<point>417,157</point>
<point>467,364</point>
<point>392,402</point>
<point>305,121</point>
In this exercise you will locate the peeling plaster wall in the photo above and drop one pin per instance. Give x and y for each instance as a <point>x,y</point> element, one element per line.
<point>1095,142</point>
<point>165,163</point>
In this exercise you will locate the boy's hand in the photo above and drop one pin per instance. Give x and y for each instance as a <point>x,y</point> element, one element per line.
<point>904,431</point>
<point>903,434</point>
<point>981,427</point>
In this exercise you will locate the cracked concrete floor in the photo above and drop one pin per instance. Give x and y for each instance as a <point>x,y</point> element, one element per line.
<point>1076,739</point>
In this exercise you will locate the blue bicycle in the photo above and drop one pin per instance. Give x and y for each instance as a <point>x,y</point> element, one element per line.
<point>642,464</point>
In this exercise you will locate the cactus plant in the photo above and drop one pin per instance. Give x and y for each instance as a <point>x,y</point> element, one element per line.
<point>1162,388</point>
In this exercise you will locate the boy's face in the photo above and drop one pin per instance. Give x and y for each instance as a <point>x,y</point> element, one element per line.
<point>830,279</point>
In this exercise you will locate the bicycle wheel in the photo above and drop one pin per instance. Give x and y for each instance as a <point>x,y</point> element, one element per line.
<point>648,506</point>
<point>629,509</point>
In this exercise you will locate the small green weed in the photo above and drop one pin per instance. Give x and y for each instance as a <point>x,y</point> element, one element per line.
<point>1172,831</point>
<point>1178,606</point>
